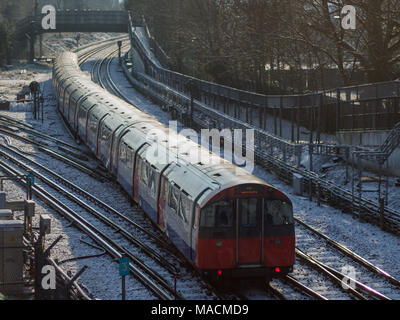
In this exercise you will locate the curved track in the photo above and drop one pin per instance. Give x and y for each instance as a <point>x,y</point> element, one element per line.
<point>154,263</point>
<point>380,284</point>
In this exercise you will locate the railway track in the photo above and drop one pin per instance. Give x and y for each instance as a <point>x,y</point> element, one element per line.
<point>106,81</point>
<point>63,154</point>
<point>112,248</point>
<point>329,270</point>
<point>151,261</point>
<point>267,156</point>
<point>360,291</point>
<point>155,263</point>
<point>332,256</point>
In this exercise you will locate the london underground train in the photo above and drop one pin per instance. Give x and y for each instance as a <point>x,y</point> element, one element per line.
<point>227,222</point>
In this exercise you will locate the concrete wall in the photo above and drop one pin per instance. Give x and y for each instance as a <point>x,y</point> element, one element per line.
<point>371,139</point>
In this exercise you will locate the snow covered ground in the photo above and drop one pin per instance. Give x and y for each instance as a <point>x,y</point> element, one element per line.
<point>379,247</point>
<point>102,277</point>
<point>324,166</point>
<point>54,44</point>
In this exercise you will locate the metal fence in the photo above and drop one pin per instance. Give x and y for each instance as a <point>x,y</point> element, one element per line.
<point>363,107</point>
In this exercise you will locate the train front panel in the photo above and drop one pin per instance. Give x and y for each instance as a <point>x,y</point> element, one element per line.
<point>246,231</point>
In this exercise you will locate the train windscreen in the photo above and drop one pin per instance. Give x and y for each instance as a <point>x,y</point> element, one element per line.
<point>278,212</point>
<point>222,214</point>
<point>249,210</point>
<point>218,215</point>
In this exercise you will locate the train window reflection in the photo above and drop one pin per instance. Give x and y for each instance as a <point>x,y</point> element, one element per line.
<point>248,209</point>
<point>173,199</point>
<point>278,212</point>
<point>218,215</point>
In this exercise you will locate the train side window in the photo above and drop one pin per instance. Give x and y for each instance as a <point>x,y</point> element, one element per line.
<point>278,212</point>
<point>129,157</point>
<point>144,173</point>
<point>122,152</point>
<point>93,123</point>
<point>173,201</point>
<point>184,205</point>
<point>106,136</point>
<point>151,179</point>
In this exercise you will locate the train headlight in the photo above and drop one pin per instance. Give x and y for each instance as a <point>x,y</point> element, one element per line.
<point>219,244</point>
<point>278,242</point>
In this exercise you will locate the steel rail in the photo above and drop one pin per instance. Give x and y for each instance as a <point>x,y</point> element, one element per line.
<point>276,292</point>
<point>351,254</point>
<point>134,240</point>
<point>338,277</point>
<point>290,279</point>
<point>115,250</point>
<point>295,283</point>
<point>369,208</point>
<point>64,158</point>
<point>21,126</point>
<point>68,279</point>
<point>88,196</point>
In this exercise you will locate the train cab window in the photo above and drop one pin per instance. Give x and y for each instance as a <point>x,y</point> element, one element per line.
<point>248,211</point>
<point>218,215</point>
<point>278,212</point>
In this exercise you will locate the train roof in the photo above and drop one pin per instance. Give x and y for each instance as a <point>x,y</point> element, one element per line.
<point>192,166</point>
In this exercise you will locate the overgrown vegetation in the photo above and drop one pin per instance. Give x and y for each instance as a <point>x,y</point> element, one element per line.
<point>291,44</point>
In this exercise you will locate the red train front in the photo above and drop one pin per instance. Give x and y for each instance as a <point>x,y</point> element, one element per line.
<point>246,231</point>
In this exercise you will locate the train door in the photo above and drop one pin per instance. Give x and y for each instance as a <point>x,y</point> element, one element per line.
<point>249,231</point>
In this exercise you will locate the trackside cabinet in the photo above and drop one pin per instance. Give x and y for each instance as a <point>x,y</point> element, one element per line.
<point>11,257</point>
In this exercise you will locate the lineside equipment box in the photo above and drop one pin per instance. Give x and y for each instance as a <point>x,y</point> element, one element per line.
<point>6,214</point>
<point>298,184</point>
<point>11,257</point>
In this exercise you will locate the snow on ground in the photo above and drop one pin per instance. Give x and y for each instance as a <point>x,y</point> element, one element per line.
<point>381,248</point>
<point>324,166</point>
<point>369,241</point>
<point>102,277</point>
<point>55,43</point>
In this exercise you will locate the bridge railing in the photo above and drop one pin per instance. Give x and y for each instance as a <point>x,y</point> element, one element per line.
<point>78,21</point>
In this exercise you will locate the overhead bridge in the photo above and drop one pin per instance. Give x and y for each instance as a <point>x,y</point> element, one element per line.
<point>75,21</point>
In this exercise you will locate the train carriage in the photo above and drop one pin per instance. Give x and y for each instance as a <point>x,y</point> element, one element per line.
<point>223,219</point>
